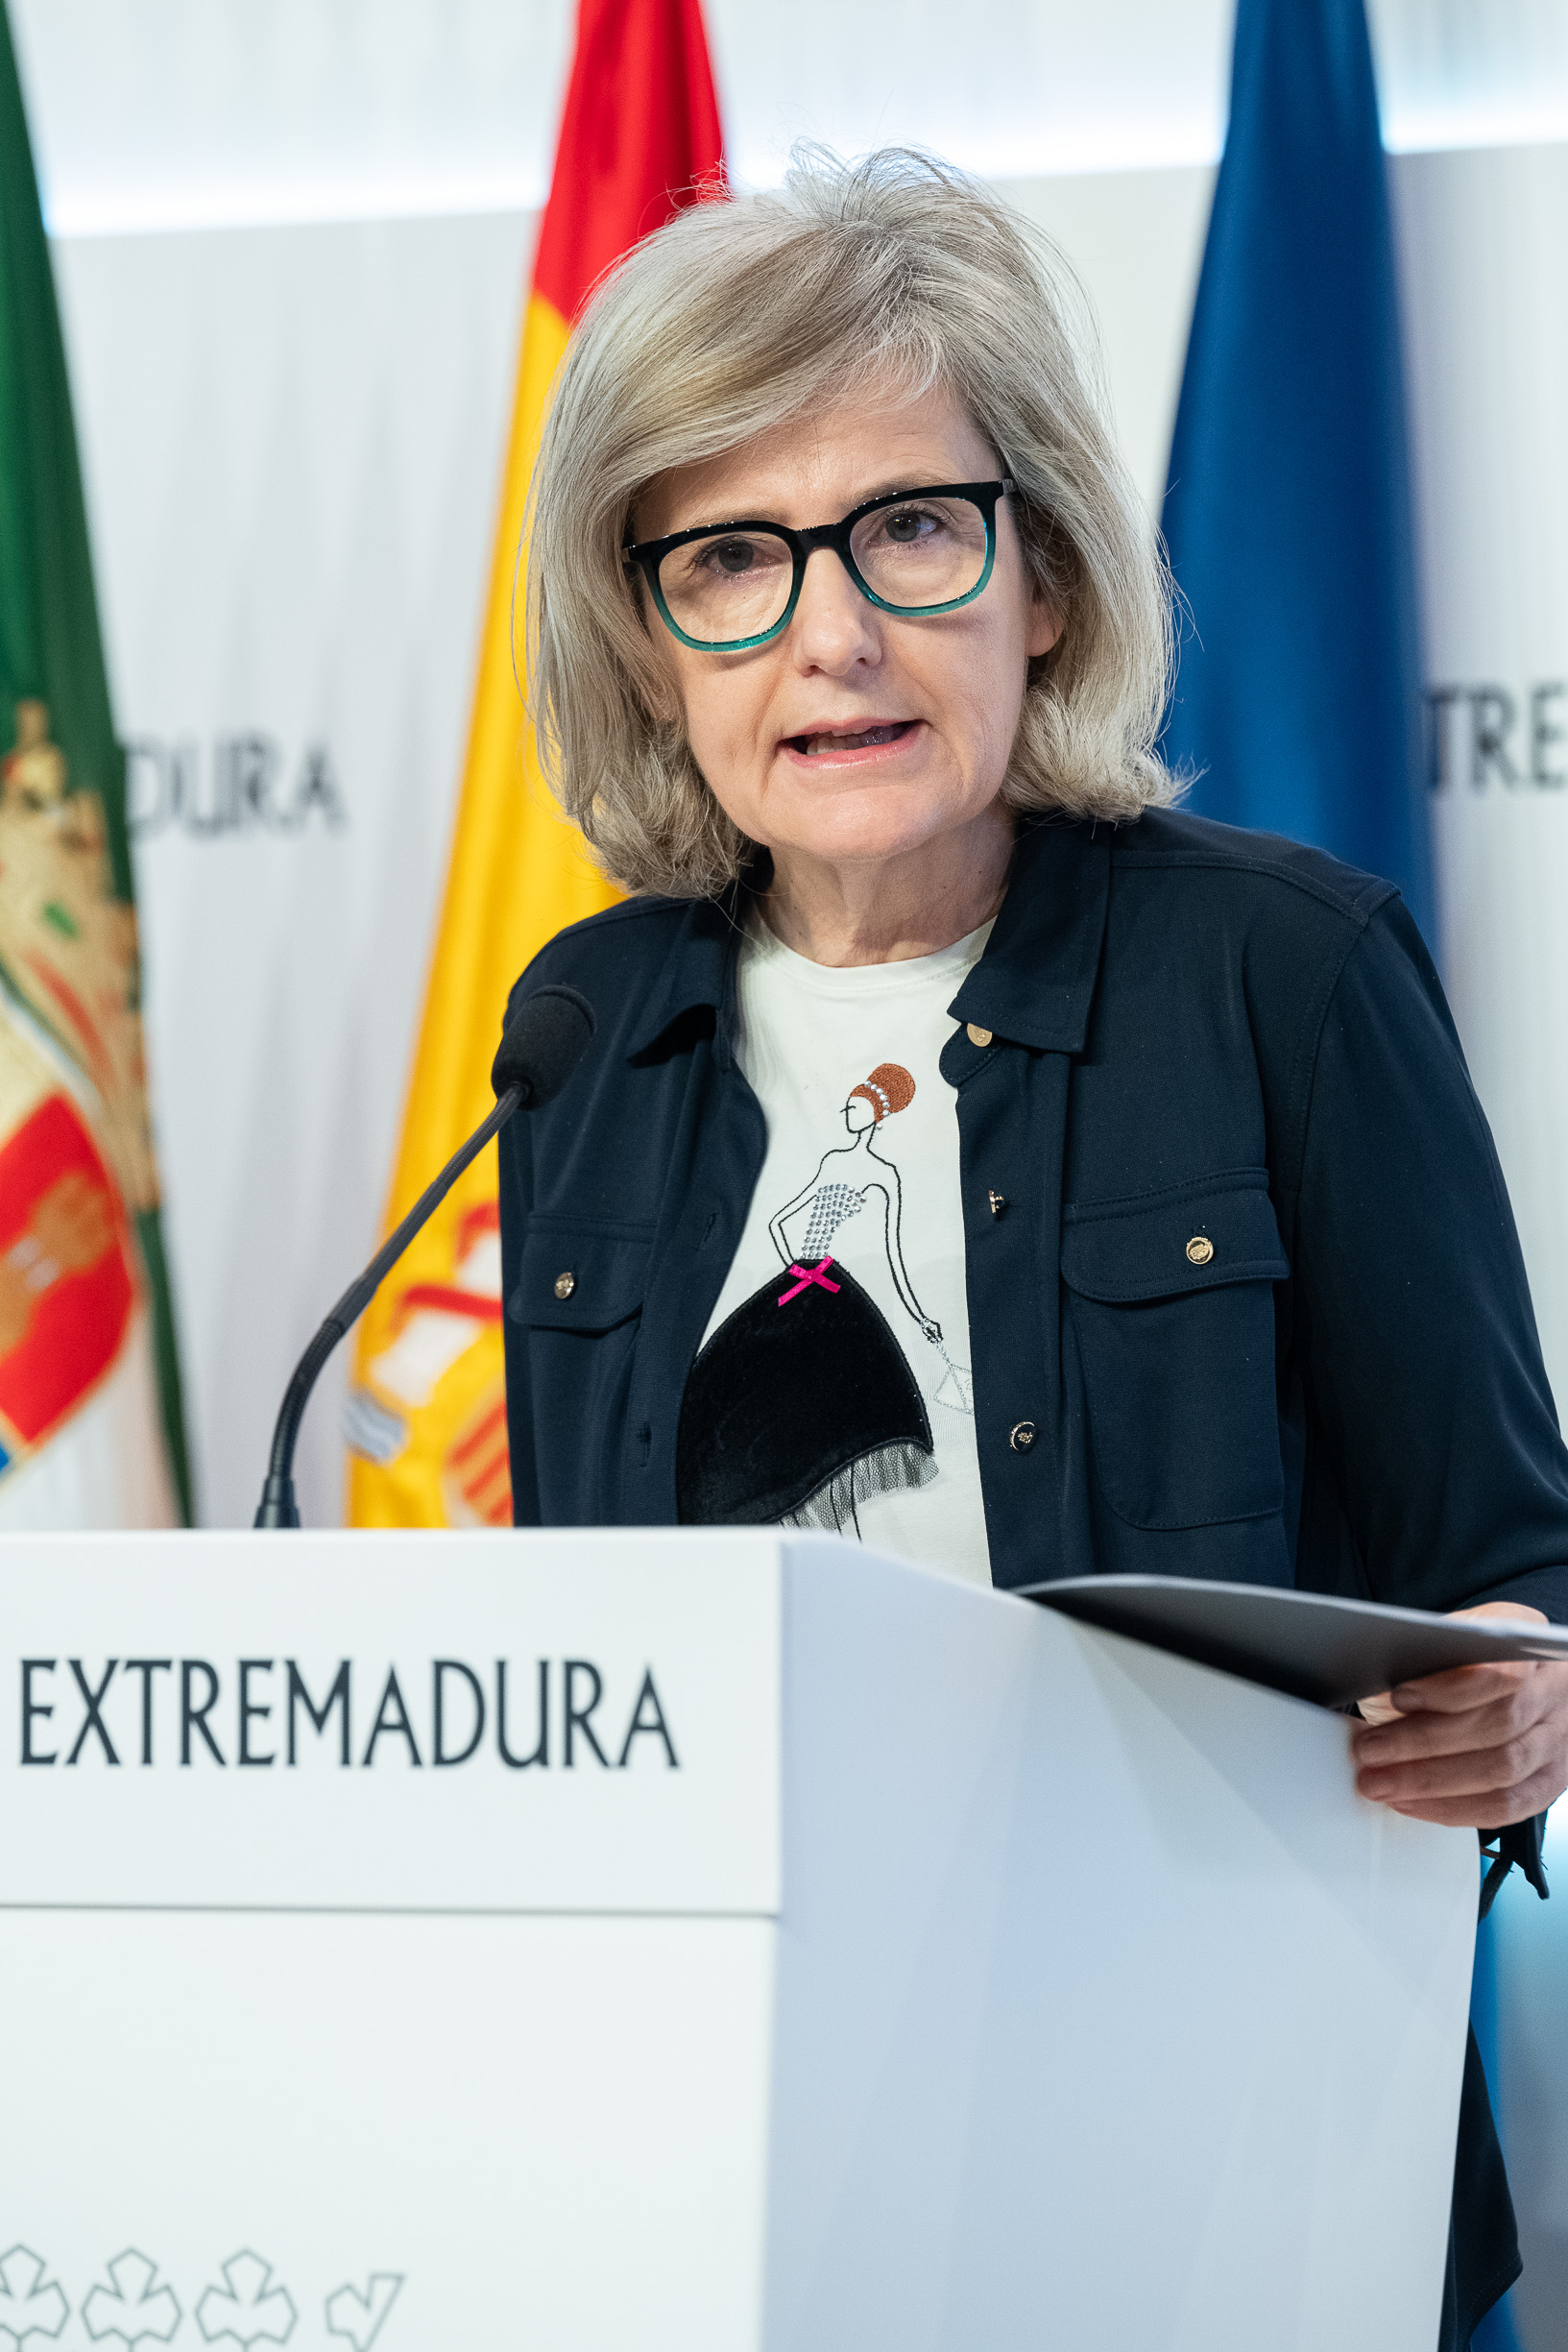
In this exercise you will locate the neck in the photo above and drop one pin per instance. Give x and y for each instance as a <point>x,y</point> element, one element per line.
<point>887,911</point>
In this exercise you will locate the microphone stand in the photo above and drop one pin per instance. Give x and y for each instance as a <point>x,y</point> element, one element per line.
<point>277,1507</point>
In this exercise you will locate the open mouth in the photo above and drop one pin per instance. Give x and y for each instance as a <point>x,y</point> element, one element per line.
<point>865,739</point>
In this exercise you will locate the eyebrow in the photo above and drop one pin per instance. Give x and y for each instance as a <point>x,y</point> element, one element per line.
<point>901,486</point>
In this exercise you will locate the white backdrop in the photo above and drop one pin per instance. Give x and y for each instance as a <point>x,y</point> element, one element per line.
<point>290,440</point>
<point>163,113</point>
<point>1484,241</point>
<point>1485,262</point>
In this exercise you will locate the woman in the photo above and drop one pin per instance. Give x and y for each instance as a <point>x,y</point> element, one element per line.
<point>850,651</point>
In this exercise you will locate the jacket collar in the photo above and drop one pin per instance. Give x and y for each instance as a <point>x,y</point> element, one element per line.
<point>1035,982</point>
<point>698,969</point>
<point>1033,985</point>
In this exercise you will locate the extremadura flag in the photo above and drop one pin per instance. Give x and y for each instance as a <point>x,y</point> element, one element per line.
<point>90,1432</point>
<point>426,1419</point>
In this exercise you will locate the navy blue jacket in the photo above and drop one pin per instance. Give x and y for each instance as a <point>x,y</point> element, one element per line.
<point>1199,1035</point>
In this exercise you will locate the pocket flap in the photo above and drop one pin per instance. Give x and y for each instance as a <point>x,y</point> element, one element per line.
<point>1193,1237</point>
<point>578,1277</point>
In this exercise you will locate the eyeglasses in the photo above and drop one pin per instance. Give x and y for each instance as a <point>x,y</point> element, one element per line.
<point>724,588</point>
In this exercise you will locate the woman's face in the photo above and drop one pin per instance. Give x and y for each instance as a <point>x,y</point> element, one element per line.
<point>856,736</point>
<point>857,1114</point>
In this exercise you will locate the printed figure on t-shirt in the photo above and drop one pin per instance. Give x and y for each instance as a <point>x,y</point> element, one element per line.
<point>842,1187</point>
<point>802,1404</point>
<point>831,1388</point>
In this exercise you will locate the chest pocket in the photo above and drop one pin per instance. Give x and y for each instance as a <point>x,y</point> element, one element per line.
<point>1172,1302</point>
<point>579,1277</point>
<point>578,1303</point>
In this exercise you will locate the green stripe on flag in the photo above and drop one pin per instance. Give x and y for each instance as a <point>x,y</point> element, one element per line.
<point>59,752</point>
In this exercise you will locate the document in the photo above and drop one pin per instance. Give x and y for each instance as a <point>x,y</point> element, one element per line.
<point>1308,1644</point>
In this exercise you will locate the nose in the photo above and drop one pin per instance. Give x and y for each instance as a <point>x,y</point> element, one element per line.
<point>833,629</point>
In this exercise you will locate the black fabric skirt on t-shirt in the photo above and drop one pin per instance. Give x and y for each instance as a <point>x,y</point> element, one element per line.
<point>801,1400</point>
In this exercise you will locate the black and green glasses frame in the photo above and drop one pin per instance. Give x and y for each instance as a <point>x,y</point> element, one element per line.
<point>648,554</point>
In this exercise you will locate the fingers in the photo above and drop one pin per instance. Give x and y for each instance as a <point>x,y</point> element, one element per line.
<point>1404,1737</point>
<point>1497,1773</point>
<point>1485,1786</point>
<point>1496,1811</point>
<point>1461,1686</point>
<point>1464,1687</point>
<point>1478,1747</point>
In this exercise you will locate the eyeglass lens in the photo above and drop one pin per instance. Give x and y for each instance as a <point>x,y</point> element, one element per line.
<point>736,584</point>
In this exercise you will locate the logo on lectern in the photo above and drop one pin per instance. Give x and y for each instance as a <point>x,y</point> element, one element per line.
<point>136,2307</point>
<point>359,2316</point>
<point>131,2311</point>
<point>29,2304</point>
<point>248,2309</point>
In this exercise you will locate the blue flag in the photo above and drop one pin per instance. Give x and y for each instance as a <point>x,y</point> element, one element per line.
<point>1288,514</point>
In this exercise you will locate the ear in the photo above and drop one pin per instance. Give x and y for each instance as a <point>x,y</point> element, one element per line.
<point>1043,629</point>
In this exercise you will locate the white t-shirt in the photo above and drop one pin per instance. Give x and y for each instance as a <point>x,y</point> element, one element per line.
<point>861,1179</point>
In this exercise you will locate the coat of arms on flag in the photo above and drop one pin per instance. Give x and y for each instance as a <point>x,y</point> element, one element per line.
<point>443,1363</point>
<point>66,1287</point>
<point>76,1163</point>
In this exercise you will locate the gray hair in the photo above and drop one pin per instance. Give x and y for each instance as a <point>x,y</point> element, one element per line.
<point>739,317</point>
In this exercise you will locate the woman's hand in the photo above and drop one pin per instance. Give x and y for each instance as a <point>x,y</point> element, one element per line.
<point>1476,1748</point>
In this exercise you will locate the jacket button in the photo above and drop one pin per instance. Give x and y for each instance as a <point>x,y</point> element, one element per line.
<point>566,1284</point>
<point>1021,1437</point>
<point>975,1034</point>
<point>998,1201</point>
<point>1201,1249</point>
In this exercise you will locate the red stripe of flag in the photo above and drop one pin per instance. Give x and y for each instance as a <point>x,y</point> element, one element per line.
<point>639,134</point>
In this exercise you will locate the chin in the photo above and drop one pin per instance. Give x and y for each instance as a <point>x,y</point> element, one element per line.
<point>866,828</point>
<point>862,844</point>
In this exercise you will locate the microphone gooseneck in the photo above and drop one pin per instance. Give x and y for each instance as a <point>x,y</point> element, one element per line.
<point>543,1042</point>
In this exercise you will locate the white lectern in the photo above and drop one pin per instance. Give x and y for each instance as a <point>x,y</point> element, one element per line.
<point>693,1942</point>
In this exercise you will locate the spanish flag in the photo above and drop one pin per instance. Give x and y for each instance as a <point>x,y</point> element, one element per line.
<point>426,1420</point>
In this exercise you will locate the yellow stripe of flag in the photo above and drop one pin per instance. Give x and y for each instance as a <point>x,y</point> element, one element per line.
<point>426,1413</point>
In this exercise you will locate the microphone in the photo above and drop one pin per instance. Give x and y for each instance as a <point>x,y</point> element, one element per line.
<point>545,1040</point>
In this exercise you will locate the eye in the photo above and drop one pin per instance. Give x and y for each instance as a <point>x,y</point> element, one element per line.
<point>904,524</point>
<point>730,555</point>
